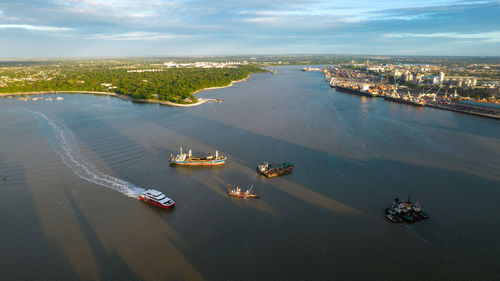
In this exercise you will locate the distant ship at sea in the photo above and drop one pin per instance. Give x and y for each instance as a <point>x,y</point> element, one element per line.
<point>189,160</point>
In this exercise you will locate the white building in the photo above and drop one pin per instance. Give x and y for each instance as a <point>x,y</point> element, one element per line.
<point>441,77</point>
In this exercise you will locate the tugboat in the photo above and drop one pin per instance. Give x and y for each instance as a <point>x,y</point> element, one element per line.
<point>407,211</point>
<point>274,170</point>
<point>391,215</point>
<point>237,192</point>
<point>417,210</point>
<point>155,197</point>
<point>188,159</point>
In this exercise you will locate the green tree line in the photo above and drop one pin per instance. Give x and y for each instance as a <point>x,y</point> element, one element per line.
<point>170,84</point>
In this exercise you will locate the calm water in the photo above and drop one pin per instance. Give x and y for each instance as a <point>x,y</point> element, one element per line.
<point>67,209</point>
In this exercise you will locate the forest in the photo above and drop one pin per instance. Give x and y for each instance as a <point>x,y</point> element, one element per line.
<point>165,84</point>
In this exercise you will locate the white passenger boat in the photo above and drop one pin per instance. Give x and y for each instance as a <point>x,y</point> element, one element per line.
<point>155,197</point>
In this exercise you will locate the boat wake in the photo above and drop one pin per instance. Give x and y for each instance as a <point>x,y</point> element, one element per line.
<point>64,146</point>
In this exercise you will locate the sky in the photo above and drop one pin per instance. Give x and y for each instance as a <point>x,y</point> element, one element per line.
<point>89,28</point>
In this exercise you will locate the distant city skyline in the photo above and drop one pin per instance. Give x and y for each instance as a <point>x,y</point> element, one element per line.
<point>80,28</point>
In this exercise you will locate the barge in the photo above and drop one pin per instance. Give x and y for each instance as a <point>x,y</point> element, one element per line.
<point>274,170</point>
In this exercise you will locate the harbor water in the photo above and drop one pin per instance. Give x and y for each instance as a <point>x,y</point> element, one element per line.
<point>71,170</point>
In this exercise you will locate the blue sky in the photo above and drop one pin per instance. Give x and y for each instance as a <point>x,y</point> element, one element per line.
<point>78,28</point>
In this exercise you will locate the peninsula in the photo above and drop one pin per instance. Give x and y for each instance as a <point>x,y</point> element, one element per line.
<point>151,81</point>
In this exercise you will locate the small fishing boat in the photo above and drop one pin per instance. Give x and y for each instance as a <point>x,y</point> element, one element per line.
<point>59,98</point>
<point>237,192</point>
<point>157,198</point>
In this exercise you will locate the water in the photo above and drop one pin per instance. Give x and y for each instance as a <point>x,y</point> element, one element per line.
<point>73,169</point>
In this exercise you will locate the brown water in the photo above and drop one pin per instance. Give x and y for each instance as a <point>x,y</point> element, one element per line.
<point>65,215</point>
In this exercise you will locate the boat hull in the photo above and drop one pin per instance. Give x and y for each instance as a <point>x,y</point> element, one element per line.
<point>404,101</point>
<point>198,162</point>
<point>240,194</point>
<point>276,172</point>
<point>244,196</point>
<point>156,203</point>
<point>356,92</point>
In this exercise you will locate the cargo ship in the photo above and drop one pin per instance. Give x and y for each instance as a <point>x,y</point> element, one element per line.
<point>156,198</point>
<point>274,170</point>
<point>400,100</point>
<point>356,91</point>
<point>188,159</point>
<point>407,99</point>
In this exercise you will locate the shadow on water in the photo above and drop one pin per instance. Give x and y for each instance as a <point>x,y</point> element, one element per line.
<point>362,185</point>
<point>110,265</point>
<point>262,146</point>
<point>179,267</point>
<point>26,253</point>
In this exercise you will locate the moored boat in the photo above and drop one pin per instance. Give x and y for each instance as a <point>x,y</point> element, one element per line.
<point>157,198</point>
<point>237,192</point>
<point>188,159</point>
<point>274,170</point>
<point>357,91</point>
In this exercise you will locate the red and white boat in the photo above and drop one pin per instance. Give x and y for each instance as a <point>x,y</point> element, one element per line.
<point>155,197</point>
<point>237,192</point>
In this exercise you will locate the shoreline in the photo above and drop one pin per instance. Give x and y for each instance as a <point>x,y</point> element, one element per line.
<point>222,87</point>
<point>470,112</point>
<point>170,103</point>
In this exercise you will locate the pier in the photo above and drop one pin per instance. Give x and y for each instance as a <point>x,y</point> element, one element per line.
<point>468,109</point>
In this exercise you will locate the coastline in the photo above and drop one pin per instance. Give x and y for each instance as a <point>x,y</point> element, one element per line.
<point>199,102</point>
<point>222,87</point>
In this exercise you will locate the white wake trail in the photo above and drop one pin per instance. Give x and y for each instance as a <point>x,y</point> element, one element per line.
<point>83,169</point>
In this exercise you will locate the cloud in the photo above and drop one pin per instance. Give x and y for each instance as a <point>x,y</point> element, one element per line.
<point>35,27</point>
<point>492,37</point>
<point>229,25</point>
<point>264,20</point>
<point>118,8</point>
<point>137,35</point>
